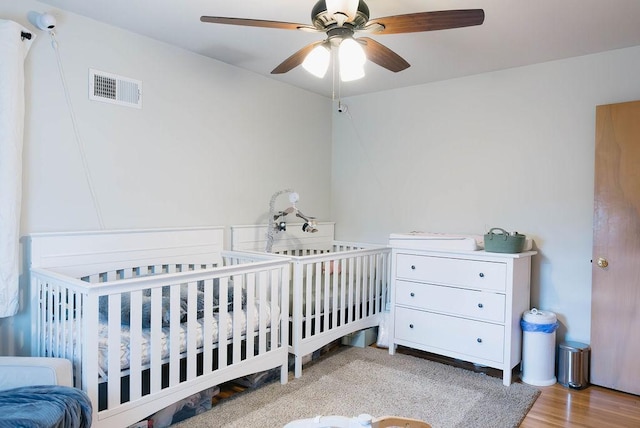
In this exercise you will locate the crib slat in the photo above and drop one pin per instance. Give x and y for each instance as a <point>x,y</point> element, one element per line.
<point>386,291</point>
<point>279,316</point>
<point>238,285</point>
<point>367,287</point>
<point>271,298</point>
<point>262,296</point>
<point>374,296</point>
<point>343,291</point>
<point>50,320</point>
<point>316,284</point>
<point>298,313</point>
<point>308,312</point>
<point>38,313</point>
<point>250,285</point>
<point>359,284</point>
<point>113,352</point>
<point>87,326</point>
<point>325,276</point>
<point>174,333</point>
<point>336,286</point>
<point>135,343</point>
<point>155,347</point>
<point>192,329</point>
<point>78,349</point>
<point>55,324</point>
<point>223,323</point>
<point>207,326</point>
<point>62,320</point>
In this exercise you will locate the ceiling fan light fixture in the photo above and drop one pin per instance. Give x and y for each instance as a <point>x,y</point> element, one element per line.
<point>342,10</point>
<point>317,62</point>
<point>341,20</point>
<point>351,57</point>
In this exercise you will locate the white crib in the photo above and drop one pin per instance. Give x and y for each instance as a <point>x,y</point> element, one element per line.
<point>337,288</point>
<point>150,317</point>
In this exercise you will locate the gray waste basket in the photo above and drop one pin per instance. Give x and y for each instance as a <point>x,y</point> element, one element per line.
<point>573,364</point>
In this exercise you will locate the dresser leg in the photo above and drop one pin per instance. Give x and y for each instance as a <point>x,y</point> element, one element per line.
<point>506,377</point>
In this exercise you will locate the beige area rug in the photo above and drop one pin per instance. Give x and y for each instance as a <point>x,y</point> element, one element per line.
<point>351,381</point>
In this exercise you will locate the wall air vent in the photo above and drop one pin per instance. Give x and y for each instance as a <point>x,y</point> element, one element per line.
<point>109,88</point>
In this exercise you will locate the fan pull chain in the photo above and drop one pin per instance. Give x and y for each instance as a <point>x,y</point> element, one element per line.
<point>333,73</point>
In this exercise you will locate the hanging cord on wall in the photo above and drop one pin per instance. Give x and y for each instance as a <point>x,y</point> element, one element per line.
<point>83,156</point>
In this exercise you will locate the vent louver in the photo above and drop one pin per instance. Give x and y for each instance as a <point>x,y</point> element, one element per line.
<point>110,88</point>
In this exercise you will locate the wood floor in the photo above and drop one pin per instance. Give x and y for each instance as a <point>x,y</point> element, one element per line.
<point>593,406</point>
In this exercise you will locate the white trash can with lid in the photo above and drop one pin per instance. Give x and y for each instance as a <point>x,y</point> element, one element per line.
<point>539,347</point>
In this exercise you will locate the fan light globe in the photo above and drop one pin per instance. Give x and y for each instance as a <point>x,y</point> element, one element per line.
<point>317,62</point>
<point>352,59</point>
<point>346,8</point>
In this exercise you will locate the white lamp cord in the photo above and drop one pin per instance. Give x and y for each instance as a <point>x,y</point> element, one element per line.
<point>83,157</point>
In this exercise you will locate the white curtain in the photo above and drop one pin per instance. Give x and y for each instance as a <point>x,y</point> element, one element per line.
<point>13,50</point>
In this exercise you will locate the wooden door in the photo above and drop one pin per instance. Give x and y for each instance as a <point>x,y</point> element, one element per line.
<point>615,307</point>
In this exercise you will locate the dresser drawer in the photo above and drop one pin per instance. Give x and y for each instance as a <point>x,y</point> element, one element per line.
<point>475,274</point>
<point>449,300</point>
<point>440,332</point>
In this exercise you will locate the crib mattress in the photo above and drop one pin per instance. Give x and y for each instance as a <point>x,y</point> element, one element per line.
<point>165,343</point>
<point>145,343</point>
<point>165,334</point>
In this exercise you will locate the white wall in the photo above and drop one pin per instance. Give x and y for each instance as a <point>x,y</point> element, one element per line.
<point>212,143</point>
<point>511,149</point>
<point>210,146</point>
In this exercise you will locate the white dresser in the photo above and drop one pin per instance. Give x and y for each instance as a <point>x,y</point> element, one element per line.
<point>461,304</point>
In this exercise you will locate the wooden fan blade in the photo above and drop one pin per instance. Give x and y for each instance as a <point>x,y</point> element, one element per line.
<point>429,21</point>
<point>296,59</point>
<point>382,55</point>
<point>257,23</point>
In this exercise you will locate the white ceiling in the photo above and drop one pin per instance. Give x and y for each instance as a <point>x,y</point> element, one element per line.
<point>514,33</point>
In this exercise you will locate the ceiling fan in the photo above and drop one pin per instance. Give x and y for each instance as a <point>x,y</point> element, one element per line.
<point>340,20</point>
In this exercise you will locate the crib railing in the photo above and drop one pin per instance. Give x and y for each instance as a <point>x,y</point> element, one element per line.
<point>337,288</point>
<point>336,293</point>
<point>82,320</point>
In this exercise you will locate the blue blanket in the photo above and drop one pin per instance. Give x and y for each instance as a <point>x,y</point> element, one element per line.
<point>44,406</point>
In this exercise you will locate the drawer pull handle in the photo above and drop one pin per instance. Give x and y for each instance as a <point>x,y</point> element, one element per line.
<point>412,294</point>
<point>410,325</point>
<point>481,275</point>
<point>479,340</point>
<point>413,267</point>
<point>480,305</point>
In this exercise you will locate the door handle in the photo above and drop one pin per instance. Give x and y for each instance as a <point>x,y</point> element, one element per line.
<point>602,262</point>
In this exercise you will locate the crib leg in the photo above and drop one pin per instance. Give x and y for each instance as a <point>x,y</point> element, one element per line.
<point>284,373</point>
<point>298,366</point>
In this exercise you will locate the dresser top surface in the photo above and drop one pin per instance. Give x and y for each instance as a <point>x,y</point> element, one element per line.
<point>471,254</point>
